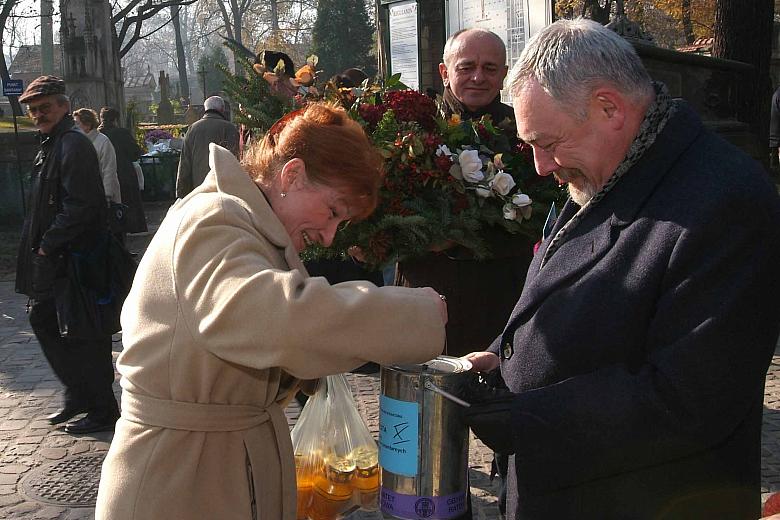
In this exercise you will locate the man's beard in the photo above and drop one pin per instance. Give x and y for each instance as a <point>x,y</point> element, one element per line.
<point>584,189</point>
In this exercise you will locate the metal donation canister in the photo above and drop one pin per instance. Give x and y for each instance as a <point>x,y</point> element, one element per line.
<point>423,444</point>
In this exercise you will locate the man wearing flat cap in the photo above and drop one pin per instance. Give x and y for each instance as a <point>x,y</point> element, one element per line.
<point>66,219</point>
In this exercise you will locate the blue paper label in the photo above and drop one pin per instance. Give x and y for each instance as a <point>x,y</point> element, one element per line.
<point>398,436</point>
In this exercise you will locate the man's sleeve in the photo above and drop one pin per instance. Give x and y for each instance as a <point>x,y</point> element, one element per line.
<point>82,197</point>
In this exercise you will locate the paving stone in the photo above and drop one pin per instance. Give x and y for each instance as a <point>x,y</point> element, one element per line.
<point>30,439</point>
<point>80,447</point>
<point>8,479</point>
<point>25,507</point>
<point>7,489</point>
<point>22,449</point>
<point>81,513</point>
<point>49,513</point>
<point>9,500</point>
<point>13,424</point>
<point>15,469</point>
<point>53,453</point>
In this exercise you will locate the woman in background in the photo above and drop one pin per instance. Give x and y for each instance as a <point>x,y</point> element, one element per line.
<point>87,120</point>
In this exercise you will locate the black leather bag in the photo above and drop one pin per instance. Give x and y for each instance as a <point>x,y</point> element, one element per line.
<point>95,288</point>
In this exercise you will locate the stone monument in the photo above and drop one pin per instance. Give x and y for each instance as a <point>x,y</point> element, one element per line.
<point>165,109</point>
<point>90,63</point>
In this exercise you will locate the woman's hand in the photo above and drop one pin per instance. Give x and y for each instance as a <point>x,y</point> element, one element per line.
<point>482,361</point>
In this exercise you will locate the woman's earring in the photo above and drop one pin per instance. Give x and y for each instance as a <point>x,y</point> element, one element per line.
<point>283,194</point>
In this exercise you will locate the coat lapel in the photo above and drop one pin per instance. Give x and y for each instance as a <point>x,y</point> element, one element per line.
<point>600,229</point>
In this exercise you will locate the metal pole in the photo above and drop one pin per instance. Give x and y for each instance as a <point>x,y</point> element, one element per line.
<point>19,164</point>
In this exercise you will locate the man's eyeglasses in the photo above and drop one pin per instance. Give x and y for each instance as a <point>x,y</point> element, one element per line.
<point>43,108</point>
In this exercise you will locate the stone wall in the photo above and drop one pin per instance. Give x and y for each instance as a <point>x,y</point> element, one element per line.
<point>13,182</point>
<point>708,85</point>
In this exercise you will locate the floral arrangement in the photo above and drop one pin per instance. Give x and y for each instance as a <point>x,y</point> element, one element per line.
<point>447,181</point>
<point>155,135</point>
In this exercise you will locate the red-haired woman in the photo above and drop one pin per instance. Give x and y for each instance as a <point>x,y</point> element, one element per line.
<point>223,323</point>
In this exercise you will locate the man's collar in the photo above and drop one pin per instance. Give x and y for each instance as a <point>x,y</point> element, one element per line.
<point>66,123</point>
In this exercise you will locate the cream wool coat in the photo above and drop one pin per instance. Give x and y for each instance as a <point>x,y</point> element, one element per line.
<point>221,323</point>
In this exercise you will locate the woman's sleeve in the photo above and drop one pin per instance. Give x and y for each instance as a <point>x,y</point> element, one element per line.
<point>240,308</point>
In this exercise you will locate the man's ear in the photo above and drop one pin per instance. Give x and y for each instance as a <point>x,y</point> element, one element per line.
<point>443,73</point>
<point>610,106</point>
<point>293,175</point>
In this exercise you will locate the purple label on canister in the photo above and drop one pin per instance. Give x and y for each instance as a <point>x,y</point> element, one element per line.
<point>412,507</point>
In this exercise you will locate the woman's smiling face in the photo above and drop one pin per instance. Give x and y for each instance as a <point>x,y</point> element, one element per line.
<point>311,213</point>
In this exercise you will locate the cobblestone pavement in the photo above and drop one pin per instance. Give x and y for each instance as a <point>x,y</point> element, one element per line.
<point>48,474</point>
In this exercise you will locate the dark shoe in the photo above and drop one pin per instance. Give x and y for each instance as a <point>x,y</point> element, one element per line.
<point>67,413</point>
<point>90,424</point>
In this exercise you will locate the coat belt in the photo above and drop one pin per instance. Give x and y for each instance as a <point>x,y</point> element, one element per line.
<point>194,417</point>
<point>197,417</point>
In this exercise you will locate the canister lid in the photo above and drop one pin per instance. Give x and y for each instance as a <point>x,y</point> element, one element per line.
<point>438,365</point>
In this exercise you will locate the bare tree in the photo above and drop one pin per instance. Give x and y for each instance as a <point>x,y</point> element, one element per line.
<point>181,62</point>
<point>130,20</point>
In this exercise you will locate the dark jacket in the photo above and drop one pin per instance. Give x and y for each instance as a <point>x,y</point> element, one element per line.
<point>194,159</point>
<point>127,152</point>
<point>66,207</point>
<point>639,350</point>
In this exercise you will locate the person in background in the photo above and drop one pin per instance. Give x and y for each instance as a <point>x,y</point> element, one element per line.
<point>223,323</point>
<point>66,216</point>
<point>87,120</point>
<point>127,151</point>
<point>637,352</point>
<point>213,127</point>
<point>473,69</point>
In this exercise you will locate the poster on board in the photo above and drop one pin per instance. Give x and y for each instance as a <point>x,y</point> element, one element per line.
<point>403,43</point>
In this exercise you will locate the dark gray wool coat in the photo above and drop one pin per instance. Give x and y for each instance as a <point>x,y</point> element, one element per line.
<point>639,351</point>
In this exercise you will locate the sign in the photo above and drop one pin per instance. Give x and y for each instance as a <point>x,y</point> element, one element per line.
<point>398,436</point>
<point>13,87</point>
<point>403,43</point>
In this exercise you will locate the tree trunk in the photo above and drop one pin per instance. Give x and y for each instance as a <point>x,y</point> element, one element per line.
<point>743,32</point>
<point>181,63</point>
<point>687,23</point>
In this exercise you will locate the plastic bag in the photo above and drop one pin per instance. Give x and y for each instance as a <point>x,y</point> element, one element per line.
<point>336,458</point>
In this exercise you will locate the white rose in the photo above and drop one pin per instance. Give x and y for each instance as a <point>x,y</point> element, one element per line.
<point>521,199</point>
<point>483,192</point>
<point>471,165</point>
<point>510,212</point>
<point>524,212</point>
<point>443,150</point>
<point>502,183</point>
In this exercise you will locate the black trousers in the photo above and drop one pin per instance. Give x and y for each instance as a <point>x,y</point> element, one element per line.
<point>82,365</point>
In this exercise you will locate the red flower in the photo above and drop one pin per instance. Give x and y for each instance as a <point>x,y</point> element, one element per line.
<point>410,105</point>
<point>443,162</point>
<point>371,114</point>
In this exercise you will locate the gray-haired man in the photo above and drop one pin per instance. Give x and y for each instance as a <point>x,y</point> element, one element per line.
<point>213,127</point>
<point>637,352</point>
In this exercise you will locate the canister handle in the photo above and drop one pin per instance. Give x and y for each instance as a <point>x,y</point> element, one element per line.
<point>457,400</point>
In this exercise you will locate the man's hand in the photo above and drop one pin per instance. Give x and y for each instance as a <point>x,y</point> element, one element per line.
<point>482,361</point>
<point>490,413</point>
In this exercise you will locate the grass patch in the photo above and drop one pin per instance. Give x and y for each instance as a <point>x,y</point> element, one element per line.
<point>22,123</point>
